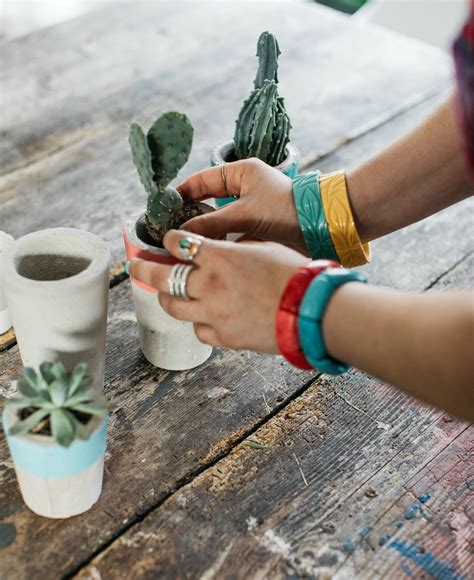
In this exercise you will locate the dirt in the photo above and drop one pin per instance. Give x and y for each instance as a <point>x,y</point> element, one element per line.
<point>178,218</point>
<point>44,426</point>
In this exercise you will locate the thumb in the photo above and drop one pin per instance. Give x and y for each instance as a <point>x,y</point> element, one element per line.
<point>218,223</point>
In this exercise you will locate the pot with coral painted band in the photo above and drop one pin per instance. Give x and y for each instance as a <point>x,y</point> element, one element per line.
<point>167,343</point>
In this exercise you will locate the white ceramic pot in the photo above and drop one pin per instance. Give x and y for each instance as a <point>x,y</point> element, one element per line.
<point>5,321</point>
<point>56,284</point>
<point>166,342</point>
<point>56,481</point>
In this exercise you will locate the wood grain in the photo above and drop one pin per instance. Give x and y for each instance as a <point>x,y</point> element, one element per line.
<point>331,497</point>
<point>65,154</point>
<point>179,476</point>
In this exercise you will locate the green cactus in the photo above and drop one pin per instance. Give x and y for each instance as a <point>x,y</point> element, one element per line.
<point>263,126</point>
<point>56,400</point>
<point>158,157</point>
<point>268,52</point>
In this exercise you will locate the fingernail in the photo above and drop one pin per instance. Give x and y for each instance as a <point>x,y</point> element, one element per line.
<point>126,268</point>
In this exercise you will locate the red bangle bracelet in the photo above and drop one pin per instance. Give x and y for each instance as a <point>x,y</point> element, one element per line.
<point>287,314</point>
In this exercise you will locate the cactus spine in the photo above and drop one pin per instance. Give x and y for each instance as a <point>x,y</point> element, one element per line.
<point>263,126</point>
<point>158,157</point>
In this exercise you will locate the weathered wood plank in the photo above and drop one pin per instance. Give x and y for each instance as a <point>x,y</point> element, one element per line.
<point>55,98</point>
<point>195,417</point>
<point>86,125</point>
<point>347,459</point>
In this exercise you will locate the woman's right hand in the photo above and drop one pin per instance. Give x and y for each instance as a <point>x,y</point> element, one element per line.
<point>264,208</point>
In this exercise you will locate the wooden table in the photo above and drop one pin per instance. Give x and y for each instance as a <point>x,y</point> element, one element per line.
<point>338,494</point>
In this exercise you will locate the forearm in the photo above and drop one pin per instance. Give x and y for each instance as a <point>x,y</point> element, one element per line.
<point>415,177</point>
<point>422,344</point>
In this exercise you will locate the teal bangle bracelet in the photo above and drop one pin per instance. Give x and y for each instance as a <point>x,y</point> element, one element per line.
<point>311,313</point>
<point>311,217</point>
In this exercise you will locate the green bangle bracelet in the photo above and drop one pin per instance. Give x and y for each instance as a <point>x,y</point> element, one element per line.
<point>311,313</point>
<point>310,212</point>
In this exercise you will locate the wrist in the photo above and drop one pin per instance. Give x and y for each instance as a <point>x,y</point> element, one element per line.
<point>326,218</point>
<point>311,314</point>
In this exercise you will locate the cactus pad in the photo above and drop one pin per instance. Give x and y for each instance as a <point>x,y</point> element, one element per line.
<point>158,157</point>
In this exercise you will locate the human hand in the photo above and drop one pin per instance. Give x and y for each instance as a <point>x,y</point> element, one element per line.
<point>235,290</point>
<point>265,208</point>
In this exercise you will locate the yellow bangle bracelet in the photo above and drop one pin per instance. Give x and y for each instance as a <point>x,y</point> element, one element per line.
<point>351,251</point>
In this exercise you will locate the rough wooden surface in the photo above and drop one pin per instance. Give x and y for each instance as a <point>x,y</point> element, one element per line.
<point>359,481</point>
<point>66,112</point>
<point>184,493</point>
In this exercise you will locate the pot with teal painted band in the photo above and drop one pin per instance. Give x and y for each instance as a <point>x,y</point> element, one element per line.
<point>57,481</point>
<point>225,153</point>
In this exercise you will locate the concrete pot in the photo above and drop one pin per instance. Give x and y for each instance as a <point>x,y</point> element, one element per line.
<point>56,284</point>
<point>5,321</point>
<point>56,481</point>
<point>167,343</point>
<point>225,153</point>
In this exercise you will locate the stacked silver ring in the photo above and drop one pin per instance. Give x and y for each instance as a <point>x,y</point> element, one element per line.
<point>178,279</point>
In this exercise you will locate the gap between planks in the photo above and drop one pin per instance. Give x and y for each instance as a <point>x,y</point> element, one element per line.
<point>189,478</point>
<point>273,413</point>
<point>117,274</point>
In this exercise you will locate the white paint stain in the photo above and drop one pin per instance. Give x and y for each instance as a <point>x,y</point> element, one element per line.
<point>275,544</point>
<point>251,522</point>
<point>126,316</point>
<point>93,574</point>
<point>217,392</point>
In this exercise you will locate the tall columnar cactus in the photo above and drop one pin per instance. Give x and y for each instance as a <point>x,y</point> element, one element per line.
<point>158,157</point>
<point>263,126</point>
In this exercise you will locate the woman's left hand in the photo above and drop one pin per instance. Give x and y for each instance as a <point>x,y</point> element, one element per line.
<point>235,290</point>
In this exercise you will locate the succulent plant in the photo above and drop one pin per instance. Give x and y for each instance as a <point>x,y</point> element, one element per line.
<point>263,126</point>
<point>63,401</point>
<point>158,156</point>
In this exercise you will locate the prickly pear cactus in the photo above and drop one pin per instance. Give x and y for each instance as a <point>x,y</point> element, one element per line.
<point>158,157</point>
<point>263,126</point>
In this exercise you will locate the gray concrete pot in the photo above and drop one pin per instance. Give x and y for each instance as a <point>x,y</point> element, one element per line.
<point>56,283</point>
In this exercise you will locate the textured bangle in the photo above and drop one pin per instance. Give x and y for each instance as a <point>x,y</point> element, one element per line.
<point>350,250</point>
<point>310,212</point>
<point>287,315</point>
<point>311,313</point>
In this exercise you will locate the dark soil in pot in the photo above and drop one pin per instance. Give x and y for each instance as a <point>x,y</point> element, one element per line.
<point>153,235</point>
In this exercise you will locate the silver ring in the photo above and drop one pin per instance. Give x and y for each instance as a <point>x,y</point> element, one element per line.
<point>178,279</point>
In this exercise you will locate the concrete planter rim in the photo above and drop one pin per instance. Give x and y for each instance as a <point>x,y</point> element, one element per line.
<point>97,252</point>
<point>222,151</point>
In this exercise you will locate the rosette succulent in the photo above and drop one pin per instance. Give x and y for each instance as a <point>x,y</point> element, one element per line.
<point>56,402</point>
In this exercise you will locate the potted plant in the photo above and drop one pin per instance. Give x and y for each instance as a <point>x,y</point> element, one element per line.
<point>158,156</point>
<point>56,283</point>
<point>5,320</point>
<point>56,433</point>
<point>263,127</point>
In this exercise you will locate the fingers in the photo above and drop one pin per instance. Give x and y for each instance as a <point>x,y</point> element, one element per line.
<point>156,276</point>
<point>219,223</point>
<point>210,182</point>
<point>207,334</point>
<point>190,311</point>
<point>205,184</point>
<point>171,242</point>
